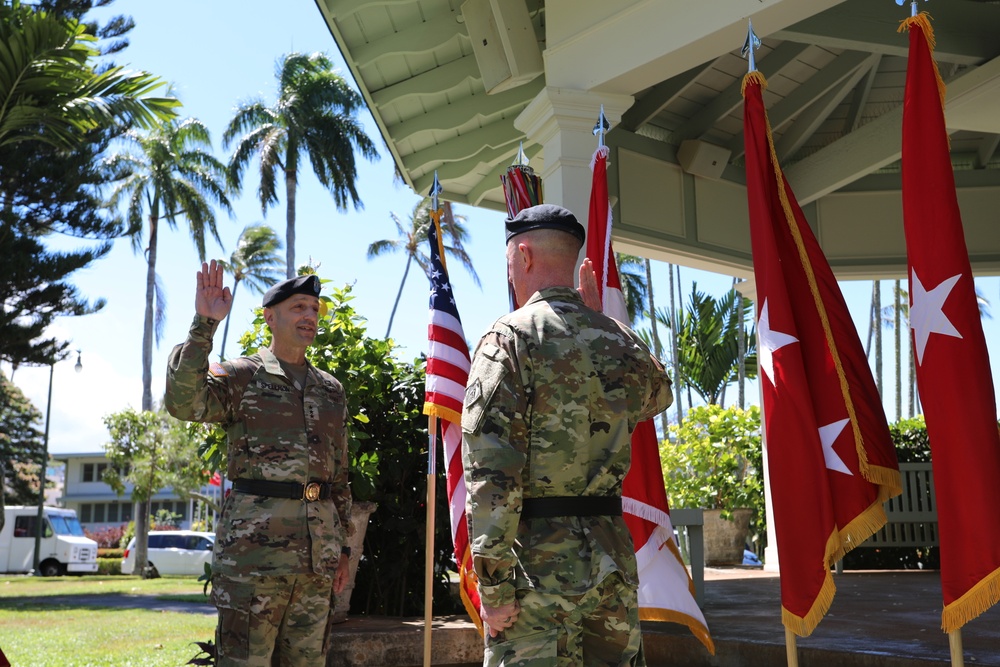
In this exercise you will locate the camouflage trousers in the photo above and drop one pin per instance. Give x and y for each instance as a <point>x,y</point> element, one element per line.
<point>288,615</point>
<point>600,627</point>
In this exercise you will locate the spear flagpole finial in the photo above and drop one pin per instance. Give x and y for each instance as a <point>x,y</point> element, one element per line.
<point>913,6</point>
<point>601,127</point>
<point>436,190</point>
<point>521,159</point>
<point>749,46</point>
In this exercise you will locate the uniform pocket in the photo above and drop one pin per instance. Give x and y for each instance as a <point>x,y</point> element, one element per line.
<point>541,646</point>
<point>488,371</point>
<point>232,599</point>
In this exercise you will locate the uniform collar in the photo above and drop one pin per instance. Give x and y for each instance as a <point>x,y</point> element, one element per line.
<point>273,366</point>
<point>555,294</point>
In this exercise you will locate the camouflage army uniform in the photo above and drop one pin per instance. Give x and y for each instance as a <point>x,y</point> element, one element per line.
<point>275,558</point>
<point>554,393</point>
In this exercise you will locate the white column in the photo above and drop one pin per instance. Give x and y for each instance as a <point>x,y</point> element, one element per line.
<point>562,121</point>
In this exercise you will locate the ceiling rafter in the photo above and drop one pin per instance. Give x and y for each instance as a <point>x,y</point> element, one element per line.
<point>464,110</point>
<point>437,80</point>
<point>417,38</point>
<point>465,146</point>
<point>729,99</point>
<point>987,147</point>
<point>342,8</point>
<point>455,170</point>
<point>659,96</point>
<point>861,94</point>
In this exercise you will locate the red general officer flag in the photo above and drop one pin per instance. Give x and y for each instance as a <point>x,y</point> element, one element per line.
<point>666,592</point>
<point>953,366</point>
<point>831,462</point>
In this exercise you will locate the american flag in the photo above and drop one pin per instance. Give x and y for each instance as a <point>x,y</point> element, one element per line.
<point>447,372</point>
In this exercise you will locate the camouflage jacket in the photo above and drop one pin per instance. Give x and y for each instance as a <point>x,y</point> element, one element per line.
<point>276,432</point>
<point>554,393</point>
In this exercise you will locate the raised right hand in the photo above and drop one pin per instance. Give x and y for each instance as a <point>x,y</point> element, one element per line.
<point>211,299</point>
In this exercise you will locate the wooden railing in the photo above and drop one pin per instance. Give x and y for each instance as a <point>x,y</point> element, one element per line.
<point>912,516</point>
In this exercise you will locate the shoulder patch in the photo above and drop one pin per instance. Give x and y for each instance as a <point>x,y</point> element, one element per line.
<point>217,370</point>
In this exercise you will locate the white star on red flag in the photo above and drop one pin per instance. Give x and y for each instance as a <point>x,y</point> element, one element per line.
<point>927,314</point>
<point>769,342</point>
<point>828,435</point>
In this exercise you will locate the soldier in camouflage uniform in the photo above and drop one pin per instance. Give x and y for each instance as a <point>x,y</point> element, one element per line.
<point>278,560</point>
<point>554,393</point>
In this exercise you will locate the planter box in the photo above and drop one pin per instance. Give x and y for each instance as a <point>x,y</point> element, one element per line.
<point>724,539</point>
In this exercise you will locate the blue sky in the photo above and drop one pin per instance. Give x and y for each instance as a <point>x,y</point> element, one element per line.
<point>220,53</point>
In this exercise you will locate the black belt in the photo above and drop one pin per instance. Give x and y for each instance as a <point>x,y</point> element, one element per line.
<point>308,492</point>
<point>536,508</point>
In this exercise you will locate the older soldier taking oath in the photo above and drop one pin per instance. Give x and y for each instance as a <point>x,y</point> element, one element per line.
<point>279,559</point>
<point>554,393</point>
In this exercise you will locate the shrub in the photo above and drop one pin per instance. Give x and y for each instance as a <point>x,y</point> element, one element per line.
<point>714,460</point>
<point>107,538</point>
<point>109,566</point>
<point>111,553</point>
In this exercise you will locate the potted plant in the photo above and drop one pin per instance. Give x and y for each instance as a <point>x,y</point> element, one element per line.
<point>713,461</point>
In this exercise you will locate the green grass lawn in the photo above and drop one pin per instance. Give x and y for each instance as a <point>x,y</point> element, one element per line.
<point>78,633</point>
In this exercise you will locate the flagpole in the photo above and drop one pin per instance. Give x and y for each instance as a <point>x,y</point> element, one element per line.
<point>955,644</point>
<point>791,648</point>
<point>432,424</point>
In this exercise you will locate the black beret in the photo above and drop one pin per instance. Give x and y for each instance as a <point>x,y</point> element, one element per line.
<point>544,216</point>
<point>286,288</point>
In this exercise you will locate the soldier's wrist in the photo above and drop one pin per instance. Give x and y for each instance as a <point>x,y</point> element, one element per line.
<point>345,551</point>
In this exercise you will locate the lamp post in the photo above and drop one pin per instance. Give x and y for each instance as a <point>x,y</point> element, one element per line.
<point>45,465</point>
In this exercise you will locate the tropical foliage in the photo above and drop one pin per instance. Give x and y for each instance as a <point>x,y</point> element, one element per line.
<point>255,262</point>
<point>21,444</point>
<point>708,346</point>
<point>714,460</point>
<point>315,116</point>
<point>412,241</point>
<point>52,92</point>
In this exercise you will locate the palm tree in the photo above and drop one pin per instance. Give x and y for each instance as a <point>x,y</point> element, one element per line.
<point>314,115</point>
<point>412,241</point>
<point>256,262</point>
<point>51,89</point>
<point>169,176</point>
<point>708,344</point>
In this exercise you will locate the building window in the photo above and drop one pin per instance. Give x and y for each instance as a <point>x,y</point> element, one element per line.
<point>98,512</point>
<point>112,512</point>
<point>88,472</point>
<point>85,510</point>
<point>126,513</point>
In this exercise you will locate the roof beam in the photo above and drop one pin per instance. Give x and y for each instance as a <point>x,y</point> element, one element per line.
<point>455,170</point>
<point>342,8</point>
<point>861,95</point>
<point>467,109</point>
<point>437,80</point>
<point>987,147</point>
<point>658,97</point>
<point>465,146</point>
<point>417,38</point>
<point>731,98</point>
<point>963,30</point>
<point>810,120</point>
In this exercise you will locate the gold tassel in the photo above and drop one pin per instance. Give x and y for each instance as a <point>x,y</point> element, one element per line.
<point>977,600</point>
<point>753,76</point>
<point>923,21</point>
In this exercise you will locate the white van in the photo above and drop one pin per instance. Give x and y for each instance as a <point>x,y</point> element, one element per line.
<point>63,548</point>
<point>173,552</point>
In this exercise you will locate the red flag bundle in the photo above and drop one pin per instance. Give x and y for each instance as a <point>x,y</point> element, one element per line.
<point>447,373</point>
<point>521,187</point>
<point>666,592</point>
<point>831,461</point>
<point>953,367</point>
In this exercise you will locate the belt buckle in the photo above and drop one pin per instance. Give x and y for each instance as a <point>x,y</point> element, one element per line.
<point>311,492</point>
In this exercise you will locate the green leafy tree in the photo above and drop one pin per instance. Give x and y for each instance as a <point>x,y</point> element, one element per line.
<point>314,115</point>
<point>51,90</point>
<point>708,344</point>
<point>21,444</point>
<point>152,451</point>
<point>169,175</point>
<point>412,241</point>
<point>255,262</point>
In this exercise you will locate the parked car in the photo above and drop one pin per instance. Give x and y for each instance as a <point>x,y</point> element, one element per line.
<point>173,552</point>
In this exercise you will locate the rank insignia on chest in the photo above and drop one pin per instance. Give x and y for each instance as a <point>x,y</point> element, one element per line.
<point>217,370</point>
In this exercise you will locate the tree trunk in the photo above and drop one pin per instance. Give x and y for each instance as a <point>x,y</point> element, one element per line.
<point>912,376</point>
<point>897,322</point>
<point>142,507</point>
<point>229,318</point>
<point>290,182</point>
<point>392,315</point>
<point>877,324</point>
<point>673,344</point>
<point>657,348</point>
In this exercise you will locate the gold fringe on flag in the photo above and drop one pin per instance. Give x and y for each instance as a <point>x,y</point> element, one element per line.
<point>975,602</point>
<point>804,625</point>
<point>923,21</point>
